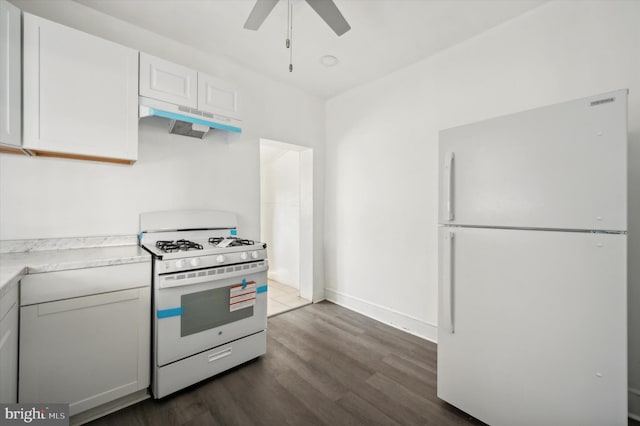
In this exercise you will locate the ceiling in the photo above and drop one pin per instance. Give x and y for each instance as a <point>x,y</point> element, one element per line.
<point>385,35</point>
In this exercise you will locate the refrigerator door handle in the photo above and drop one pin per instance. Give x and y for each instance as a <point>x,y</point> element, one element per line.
<point>449,166</point>
<point>450,285</point>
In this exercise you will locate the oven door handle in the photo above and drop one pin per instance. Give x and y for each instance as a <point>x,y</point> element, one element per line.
<point>219,355</point>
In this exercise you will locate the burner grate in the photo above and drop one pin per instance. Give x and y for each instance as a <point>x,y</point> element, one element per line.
<point>188,245</point>
<point>236,241</point>
<point>167,246</point>
<point>179,245</point>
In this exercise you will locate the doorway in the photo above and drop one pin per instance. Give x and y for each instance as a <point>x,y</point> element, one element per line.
<point>286,219</point>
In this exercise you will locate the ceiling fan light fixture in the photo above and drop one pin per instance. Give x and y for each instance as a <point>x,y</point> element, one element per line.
<point>329,60</point>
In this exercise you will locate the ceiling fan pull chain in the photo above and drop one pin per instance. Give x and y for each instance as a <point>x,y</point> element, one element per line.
<point>290,42</point>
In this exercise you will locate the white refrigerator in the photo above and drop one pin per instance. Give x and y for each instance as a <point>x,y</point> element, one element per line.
<point>532,321</point>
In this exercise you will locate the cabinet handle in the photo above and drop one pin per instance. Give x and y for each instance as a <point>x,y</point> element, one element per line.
<point>449,166</point>
<point>220,355</point>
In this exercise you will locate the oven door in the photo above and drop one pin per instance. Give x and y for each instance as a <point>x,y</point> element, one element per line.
<point>199,310</point>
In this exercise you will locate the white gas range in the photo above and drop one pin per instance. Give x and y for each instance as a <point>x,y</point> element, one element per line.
<point>209,307</point>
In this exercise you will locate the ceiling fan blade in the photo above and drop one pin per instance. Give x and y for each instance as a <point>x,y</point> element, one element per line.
<point>329,12</point>
<point>259,13</point>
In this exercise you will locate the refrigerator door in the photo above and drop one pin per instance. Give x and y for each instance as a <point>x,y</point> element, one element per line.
<point>562,166</point>
<point>533,326</point>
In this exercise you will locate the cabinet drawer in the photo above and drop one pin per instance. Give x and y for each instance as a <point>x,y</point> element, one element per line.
<point>188,371</point>
<point>59,285</point>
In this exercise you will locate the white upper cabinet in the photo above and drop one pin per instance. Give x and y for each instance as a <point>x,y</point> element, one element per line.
<point>10,75</point>
<point>179,85</point>
<point>217,96</point>
<point>80,94</point>
<point>166,81</point>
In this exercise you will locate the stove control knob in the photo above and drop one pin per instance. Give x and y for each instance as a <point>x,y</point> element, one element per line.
<point>243,255</point>
<point>220,258</point>
<point>180,263</point>
<point>195,261</point>
<point>254,254</point>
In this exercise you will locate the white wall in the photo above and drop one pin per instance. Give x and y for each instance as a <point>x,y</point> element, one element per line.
<point>280,206</point>
<point>45,198</point>
<point>381,154</point>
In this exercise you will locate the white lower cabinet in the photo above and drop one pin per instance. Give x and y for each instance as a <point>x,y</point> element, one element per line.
<point>85,351</point>
<point>9,346</point>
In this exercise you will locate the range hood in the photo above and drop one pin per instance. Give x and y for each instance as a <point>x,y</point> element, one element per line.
<point>187,121</point>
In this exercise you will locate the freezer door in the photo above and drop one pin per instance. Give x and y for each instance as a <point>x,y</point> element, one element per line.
<point>533,326</point>
<point>562,167</point>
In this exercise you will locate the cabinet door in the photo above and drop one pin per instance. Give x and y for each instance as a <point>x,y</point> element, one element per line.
<point>9,356</point>
<point>10,75</point>
<point>85,351</point>
<point>217,96</point>
<point>169,82</point>
<point>80,92</point>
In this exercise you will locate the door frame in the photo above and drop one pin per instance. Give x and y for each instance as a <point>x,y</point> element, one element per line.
<point>306,266</point>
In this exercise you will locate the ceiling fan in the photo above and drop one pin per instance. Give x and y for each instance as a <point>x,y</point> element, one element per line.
<point>327,10</point>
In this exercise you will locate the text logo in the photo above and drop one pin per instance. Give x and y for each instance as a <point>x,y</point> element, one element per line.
<point>34,414</point>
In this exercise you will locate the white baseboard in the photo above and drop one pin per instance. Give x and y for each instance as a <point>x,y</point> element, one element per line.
<point>383,314</point>
<point>634,404</point>
<point>109,407</point>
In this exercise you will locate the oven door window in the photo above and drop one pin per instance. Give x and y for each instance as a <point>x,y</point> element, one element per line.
<point>208,309</point>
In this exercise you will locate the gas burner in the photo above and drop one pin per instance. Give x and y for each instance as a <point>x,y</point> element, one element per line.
<point>180,245</point>
<point>187,245</point>
<point>167,246</point>
<point>236,241</point>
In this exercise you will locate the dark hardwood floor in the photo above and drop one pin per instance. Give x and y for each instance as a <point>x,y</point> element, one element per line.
<point>325,365</point>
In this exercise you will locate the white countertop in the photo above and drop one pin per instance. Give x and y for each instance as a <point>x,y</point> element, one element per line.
<point>15,265</point>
